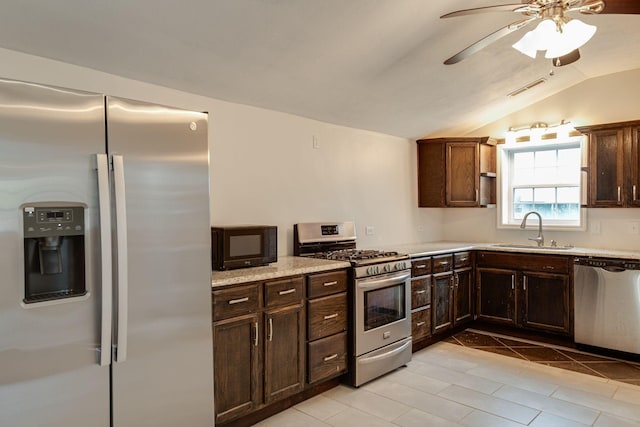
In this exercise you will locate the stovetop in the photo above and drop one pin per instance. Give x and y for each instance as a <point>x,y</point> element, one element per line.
<point>360,256</point>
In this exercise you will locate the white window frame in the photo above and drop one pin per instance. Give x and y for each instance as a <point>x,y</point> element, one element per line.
<point>505,189</point>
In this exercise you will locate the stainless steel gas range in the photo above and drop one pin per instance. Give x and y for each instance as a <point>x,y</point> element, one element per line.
<point>379,297</point>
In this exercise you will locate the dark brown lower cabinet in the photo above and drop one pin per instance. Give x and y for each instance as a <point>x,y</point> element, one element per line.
<point>237,366</point>
<point>284,356</point>
<point>463,296</point>
<point>546,301</point>
<point>442,305</point>
<point>496,295</point>
<point>533,292</point>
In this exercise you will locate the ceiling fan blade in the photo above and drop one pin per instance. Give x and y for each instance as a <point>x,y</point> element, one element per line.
<point>515,7</point>
<point>621,6</point>
<point>482,43</point>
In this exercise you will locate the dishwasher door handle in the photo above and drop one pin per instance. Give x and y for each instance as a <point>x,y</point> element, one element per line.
<point>613,269</point>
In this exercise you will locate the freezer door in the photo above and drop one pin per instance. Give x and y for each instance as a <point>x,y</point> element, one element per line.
<point>49,370</point>
<point>165,377</point>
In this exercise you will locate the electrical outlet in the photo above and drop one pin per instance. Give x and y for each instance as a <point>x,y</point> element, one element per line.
<point>369,230</point>
<point>595,227</point>
<point>315,143</point>
<point>634,228</point>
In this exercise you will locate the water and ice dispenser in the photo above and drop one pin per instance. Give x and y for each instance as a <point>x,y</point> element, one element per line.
<point>54,253</point>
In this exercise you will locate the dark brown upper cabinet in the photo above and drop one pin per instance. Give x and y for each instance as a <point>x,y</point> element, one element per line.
<point>613,165</point>
<point>457,172</point>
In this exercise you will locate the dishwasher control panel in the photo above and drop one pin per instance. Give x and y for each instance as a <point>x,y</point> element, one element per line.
<point>609,262</point>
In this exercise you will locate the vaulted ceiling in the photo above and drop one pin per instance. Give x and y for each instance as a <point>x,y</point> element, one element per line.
<point>368,64</point>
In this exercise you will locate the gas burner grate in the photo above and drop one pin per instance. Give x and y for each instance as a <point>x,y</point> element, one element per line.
<point>355,254</point>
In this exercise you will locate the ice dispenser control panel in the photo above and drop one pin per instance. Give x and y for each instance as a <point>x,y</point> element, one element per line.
<point>50,221</point>
<point>54,251</point>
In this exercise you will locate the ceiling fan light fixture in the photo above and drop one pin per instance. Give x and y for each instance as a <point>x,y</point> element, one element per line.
<point>557,39</point>
<point>574,35</point>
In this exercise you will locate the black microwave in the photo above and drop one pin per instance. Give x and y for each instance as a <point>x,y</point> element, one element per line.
<point>243,246</point>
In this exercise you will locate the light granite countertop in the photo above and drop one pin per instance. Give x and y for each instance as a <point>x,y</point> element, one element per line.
<point>286,266</point>
<point>293,265</point>
<point>434,248</point>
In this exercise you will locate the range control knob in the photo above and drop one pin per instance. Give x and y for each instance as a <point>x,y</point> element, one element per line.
<point>387,268</point>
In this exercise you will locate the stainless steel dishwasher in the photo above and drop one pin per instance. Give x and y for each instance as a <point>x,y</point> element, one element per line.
<point>607,303</point>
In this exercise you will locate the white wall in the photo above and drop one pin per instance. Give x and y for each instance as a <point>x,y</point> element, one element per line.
<point>607,99</point>
<point>264,168</point>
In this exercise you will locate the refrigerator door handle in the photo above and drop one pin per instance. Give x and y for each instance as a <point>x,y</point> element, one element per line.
<point>121,238</point>
<point>104,209</point>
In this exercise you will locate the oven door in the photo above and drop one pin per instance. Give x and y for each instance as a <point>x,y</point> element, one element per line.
<point>382,310</point>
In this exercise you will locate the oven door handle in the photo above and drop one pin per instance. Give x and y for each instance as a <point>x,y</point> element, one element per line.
<point>377,282</point>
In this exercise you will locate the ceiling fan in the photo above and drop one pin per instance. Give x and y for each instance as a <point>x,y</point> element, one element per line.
<point>554,24</point>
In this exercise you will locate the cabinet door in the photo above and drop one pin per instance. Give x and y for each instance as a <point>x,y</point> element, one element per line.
<point>463,176</point>
<point>284,352</point>
<point>496,295</point>
<point>634,190</point>
<point>463,296</point>
<point>431,175</point>
<point>545,302</point>
<point>606,149</point>
<point>441,306</point>
<point>237,366</point>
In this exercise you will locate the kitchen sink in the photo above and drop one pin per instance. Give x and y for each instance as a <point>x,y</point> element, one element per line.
<point>521,246</point>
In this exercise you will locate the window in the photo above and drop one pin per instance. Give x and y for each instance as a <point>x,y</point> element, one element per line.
<point>542,177</point>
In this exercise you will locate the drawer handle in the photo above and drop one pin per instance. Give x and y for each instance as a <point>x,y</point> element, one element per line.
<point>271,329</point>
<point>330,283</point>
<point>548,267</point>
<point>463,259</point>
<point>421,266</point>
<point>239,300</point>
<point>328,358</point>
<point>421,323</point>
<point>444,263</point>
<point>287,292</point>
<point>331,316</point>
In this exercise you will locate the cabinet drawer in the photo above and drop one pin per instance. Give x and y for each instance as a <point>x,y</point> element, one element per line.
<point>462,260</point>
<point>420,292</point>
<point>282,292</point>
<point>327,357</point>
<point>323,284</point>
<point>327,316</point>
<point>421,323</point>
<point>535,262</point>
<point>442,264</point>
<point>235,301</point>
<point>420,267</point>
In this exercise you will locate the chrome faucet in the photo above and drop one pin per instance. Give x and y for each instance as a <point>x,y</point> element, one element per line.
<point>539,239</point>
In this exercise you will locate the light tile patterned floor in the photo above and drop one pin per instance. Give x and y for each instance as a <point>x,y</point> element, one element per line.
<point>447,385</point>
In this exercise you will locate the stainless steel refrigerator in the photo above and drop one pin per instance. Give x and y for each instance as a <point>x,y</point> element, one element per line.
<point>105,306</point>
